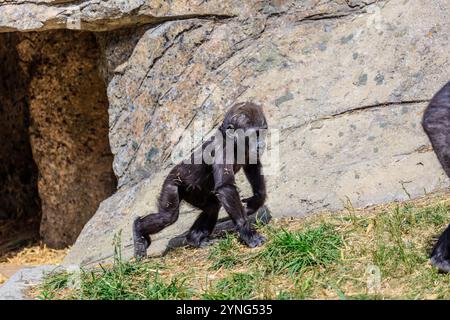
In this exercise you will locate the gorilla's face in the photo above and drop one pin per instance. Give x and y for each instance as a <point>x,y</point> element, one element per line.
<point>246,126</point>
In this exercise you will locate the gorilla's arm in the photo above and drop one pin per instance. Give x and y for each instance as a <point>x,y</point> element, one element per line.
<point>255,177</point>
<point>225,189</point>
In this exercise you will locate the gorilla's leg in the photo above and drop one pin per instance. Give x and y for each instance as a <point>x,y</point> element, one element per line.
<point>436,123</point>
<point>205,223</point>
<point>440,257</point>
<point>141,241</point>
<point>168,205</point>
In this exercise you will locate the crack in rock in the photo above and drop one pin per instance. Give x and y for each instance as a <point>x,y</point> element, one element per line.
<point>355,110</point>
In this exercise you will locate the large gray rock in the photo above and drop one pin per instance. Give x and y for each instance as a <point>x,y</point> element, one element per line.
<point>17,287</point>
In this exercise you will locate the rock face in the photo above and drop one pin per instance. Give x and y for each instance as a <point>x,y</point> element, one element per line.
<point>39,15</point>
<point>344,82</point>
<point>17,287</point>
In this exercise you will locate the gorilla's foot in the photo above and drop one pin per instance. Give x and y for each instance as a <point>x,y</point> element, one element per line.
<point>252,238</point>
<point>440,257</point>
<point>141,242</point>
<point>441,264</point>
<point>198,239</point>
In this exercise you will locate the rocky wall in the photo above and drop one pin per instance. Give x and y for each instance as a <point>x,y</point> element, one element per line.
<point>345,83</point>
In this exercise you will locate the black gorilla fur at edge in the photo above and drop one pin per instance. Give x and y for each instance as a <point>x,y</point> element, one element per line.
<point>436,123</point>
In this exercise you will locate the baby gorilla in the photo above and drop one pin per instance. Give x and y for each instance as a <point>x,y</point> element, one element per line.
<point>436,123</point>
<point>208,185</point>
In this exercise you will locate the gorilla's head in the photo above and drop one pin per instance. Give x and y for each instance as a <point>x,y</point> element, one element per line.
<point>245,115</point>
<point>246,124</point>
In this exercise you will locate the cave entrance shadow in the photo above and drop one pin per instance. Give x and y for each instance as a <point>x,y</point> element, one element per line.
<point>20,205</point>
<point>55,157</point>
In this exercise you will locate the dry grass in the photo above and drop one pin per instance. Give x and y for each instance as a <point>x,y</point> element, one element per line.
<point>31,255</point>
<point>34,254</point>
<point>391,240</point>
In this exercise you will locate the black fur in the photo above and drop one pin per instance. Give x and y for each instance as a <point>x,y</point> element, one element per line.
<point>436,123</point>
<point>440,256</point>
<point>208,187</point>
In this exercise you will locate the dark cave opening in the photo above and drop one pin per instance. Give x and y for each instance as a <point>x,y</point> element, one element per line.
<point>55,158</point>
<point>20,206</point>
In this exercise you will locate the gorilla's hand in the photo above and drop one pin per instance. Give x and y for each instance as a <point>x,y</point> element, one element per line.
<point>253,203</point>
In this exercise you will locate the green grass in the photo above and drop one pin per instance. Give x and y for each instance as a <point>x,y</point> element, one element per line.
<point>293,251</point>
<point>52,284</point>
<point>397,252</point>
<point>326,256</point>
<point>436,215</point>
<point>243,286</point>
<point>224,254</point>
<point>130,281</point>
<point>123,281</point>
